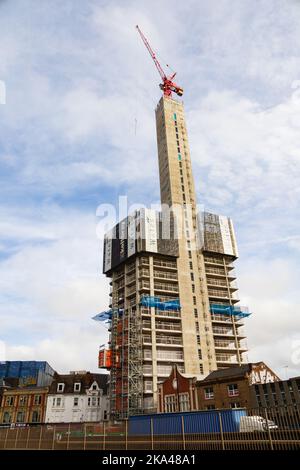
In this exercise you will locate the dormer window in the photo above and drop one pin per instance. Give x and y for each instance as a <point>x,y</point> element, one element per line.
<point>77,386</point>
<point>60,387</point>
<point>94,386</point>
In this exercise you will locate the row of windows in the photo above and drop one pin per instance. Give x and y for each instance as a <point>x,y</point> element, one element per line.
<point>76,387</point>
<point>172,403</point>
<point>232,405</point>
<point>23,400</point>
<point>34,418</point>
<point>59,402</point>
<point>232,391</point>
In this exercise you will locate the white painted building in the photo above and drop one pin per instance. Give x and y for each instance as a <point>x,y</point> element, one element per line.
<point>78,397</point>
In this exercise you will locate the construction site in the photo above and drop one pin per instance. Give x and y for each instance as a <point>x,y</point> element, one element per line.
<point>173,293</point>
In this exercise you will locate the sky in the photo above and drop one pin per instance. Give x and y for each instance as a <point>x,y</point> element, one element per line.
<point>77,130</point>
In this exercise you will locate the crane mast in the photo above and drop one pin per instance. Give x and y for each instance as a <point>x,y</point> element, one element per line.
<point>167,85</point>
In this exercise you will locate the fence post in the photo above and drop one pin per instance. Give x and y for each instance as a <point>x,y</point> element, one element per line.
<point>27,440</point>
<point>16,439</point>
<point>6,436</point>
<point>40,437</point>
<point>269,432</point>
<point>126,434</point>
<point>183,431</point>
<point>152,437</point>
<point>221,430</point>
<point>104,427</point>
<point>54,434</point>
<point>84,436</point>
<point>68,436</point>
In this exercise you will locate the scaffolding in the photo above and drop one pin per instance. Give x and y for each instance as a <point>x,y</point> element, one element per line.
<point>124,359</point>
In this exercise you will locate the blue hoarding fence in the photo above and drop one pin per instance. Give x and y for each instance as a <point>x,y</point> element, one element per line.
<point>192,422</point>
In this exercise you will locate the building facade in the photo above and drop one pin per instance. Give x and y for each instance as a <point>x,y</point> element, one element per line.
<point>23,405</point>
<point>78,397</point>
<point>34,373</point>
<point>173,290</point>
<point>273,394</point>
<point>177,393</point>
<point>250,385</point>
<point>232,387</point>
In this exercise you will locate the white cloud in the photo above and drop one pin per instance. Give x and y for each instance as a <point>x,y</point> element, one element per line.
<point>269,287</point>
<point>81,91</point>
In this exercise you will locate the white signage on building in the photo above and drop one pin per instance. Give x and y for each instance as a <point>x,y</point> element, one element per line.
<point>107,251</point>
<point>261,374</point>
<point>131,236</point>
<point>150,230</point>
<point>226,237</point>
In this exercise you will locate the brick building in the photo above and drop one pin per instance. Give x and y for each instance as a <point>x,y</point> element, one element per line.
<point>281,393</point>
<point>177,393</point>
<point>233,387</point>
<point>22,405</point>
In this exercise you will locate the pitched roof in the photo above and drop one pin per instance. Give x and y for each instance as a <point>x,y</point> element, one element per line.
<point>230,372</point>
<point>86,379</point>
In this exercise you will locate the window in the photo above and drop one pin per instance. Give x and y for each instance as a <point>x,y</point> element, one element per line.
<point>21,417</point>
<point>184,402</point>
<point>94,387</point>
<point>22,400</point>
<point>6,417</point>
<point>198,339</point>
<point>58,401</point>
<point>233,390</point>
<point>199,354</point>
<point>210,407</point>
<point>60,387</point>
<point>193,288</point>
<point>35,417</point>
<point>192,276</point>
<point>75,401</point>
<point>208,393</point>
<point>170,404</point>
<point>148,385</point>
<point>191,265</point>
<point>195,313</point>
<point>9,401</point>
<point>235,405</point>
<point>194,300</point>
<point>77,387</point>
<point>37,399</point>
<point>201,368</point>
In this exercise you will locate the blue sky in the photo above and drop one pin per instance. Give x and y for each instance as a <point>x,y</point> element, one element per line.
<point>78,130</point>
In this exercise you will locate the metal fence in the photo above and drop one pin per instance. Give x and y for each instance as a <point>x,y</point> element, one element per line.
<point>258,429</point>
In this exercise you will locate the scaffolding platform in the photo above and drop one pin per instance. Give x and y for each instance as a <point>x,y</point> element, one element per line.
<point>233,310</point>
<point>156,302</point>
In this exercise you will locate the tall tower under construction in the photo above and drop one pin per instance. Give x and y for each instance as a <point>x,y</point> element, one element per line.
<point>173,289</point>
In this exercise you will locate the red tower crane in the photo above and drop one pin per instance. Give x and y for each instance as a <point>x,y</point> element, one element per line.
<point>167,85</point>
